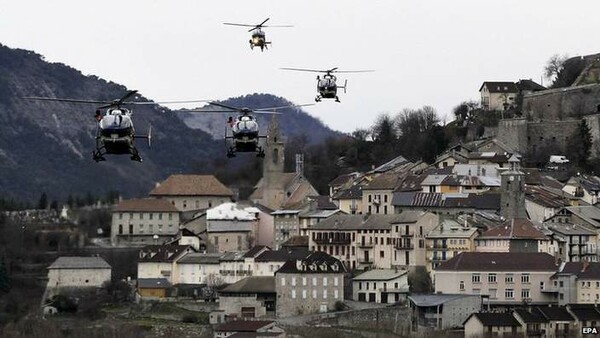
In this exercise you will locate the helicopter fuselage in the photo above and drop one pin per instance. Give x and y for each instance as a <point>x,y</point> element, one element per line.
<point>244,137</point>
<point>258,40</point>
<point>115,133</point>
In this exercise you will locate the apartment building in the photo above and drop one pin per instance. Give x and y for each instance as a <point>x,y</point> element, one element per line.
<point>447,240</point>
<point>139,222</point>
<point>192,192</point>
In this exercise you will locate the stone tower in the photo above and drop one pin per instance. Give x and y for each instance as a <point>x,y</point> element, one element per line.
<point>512,201</point>
<point>273,164</point>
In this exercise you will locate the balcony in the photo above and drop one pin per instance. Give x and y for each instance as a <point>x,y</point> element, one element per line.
<point>404,246</point>
<point>332,240</point>
<point>437,259</point>
<point>365,261</point>
<point>407,234</point>
<point>365,245</point>
<point>235,272</point>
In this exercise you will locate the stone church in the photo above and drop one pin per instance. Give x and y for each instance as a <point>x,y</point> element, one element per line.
<point>278,189</point>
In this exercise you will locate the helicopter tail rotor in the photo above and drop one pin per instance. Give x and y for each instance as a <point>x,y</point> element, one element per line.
<point>150,136</point>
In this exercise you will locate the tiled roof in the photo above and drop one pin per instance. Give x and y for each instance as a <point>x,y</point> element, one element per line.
<point>253,284</point>
<point>145,205</point>
<point>356,222</point>
<point>411,183</point>
<point>585,313</point>
<point>282,255</point>
<point>257,249</point>
<point>553,313</point>
<point>243,326</point>
<point>499,261</point>
<point>531,85</point>
<point>153,283</point>
<point>495,319</point>
<point>79,263</point>
<point>517,228</point>
<point>162,253</point>
<point>545,198</point>
<point>191,185</point>
<point>342,179</point>
<point>500,87</point>
<point>380,274</point>
<point>424,199</point>
<point>588,213</point>
<point>392,164</point>
<point>323,202</point>
<point>200,258</point>
<point>315,262</point>
<point>354,192</point>
<point>529,317</point>
<point>583,270</point>
<point>384,182</point>
<point>296,241</point>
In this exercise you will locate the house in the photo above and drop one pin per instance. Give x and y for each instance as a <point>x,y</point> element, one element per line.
<point>251,297</point>
<point>575,242</point>
<point>349,200</point>
<point>442,312</point>
<point>449,159</point>
<point>484,324</point>
<point>541,203</point>
<point>199,268</point>
<point>249,328</point>
<point>585,187</point>
<point>448,239</point>
<point>309,285</point>
<point>498,95</point>
<point>384,286</point>
<point>337,183</point>
<point>139,222</point>
<point>286,224</point>
<point>560,322</point>
<point>153,287</point>
<point>231,227</point>
<point>159,261</point>
<point>192,192</point>
<point>375,241</point>
<point>586,315</point>
<point>508,278</point>
<point>296,242</point>
<point>270,261</point>
<point>77,272</point>
<point>577,283</point>
<point>585,215</point>
<point>532,322</point>
<point>377,194</point>
<point>187,237</point>
<point>514,235</point>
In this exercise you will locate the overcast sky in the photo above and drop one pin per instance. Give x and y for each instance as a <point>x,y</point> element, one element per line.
<point>424,52</point>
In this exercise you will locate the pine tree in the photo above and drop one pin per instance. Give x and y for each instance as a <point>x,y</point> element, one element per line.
<point>43,202</point>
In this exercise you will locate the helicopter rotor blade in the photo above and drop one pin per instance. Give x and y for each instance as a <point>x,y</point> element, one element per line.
<point>278,26</point>
<point>126,96</point>
<point>224,106</point>
<point>64,100</point>
<point>163,102</point>
<point>266,112</point>
<point>354,71</point>
<point>262,23</point>
<point>305,70</point>
<point>205,111</point>
<point>283,107</point>
<point>238,24</point>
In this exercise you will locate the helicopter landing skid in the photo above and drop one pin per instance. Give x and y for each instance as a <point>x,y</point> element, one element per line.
<point>337,99</point>
<point>98,156</point>
<point>318,99</point>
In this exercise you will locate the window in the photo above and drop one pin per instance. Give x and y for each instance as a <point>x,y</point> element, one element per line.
<point>303,294</point>
<point>160,216</point>
<point>325,294</point>
<point>509,293</point>
<point>561,284</point>
<point>335,294</point>
<point>282,281</point>
<point>335,281</point>
<point>293,293</point>
<point>303,281</point>
<point>120,229</point>
<point>324,281</point>
<point>462,285</point>
<point>184,204</point>
<point>121,215</point>
<point>509,279</point>
<point>492,278</point>
<point>525,278</point>
<point>381,253</point>
<point>170,216</point>
<point>314,294</point>
<point>141,215</point>
<point>293,281</point>
<point>314,281</point>
<point>476,278</point>
<point>360,285</point>
<point>525,293</point>
<point>150,216</point>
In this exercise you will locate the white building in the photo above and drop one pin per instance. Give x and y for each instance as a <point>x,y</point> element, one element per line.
<point>231,227</point>
<point>78,272</point>
<point>158,261</point>
<point>139,222</point>
<point>385,286</point>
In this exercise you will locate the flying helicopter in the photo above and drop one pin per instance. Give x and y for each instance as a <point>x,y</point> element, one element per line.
<point>242,132</point>
<point>258,35</point>
<point>115,133</point>
<point>326,85</point>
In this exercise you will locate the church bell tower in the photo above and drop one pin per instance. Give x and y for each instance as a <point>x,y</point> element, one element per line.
<point>513,191</point>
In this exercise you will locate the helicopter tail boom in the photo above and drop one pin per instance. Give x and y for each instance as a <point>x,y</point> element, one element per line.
<point>147,136</point>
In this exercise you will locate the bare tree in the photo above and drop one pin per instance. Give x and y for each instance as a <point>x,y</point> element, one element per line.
<point>554,65</point>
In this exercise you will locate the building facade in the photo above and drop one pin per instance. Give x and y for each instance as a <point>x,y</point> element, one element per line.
<point>139,222</point>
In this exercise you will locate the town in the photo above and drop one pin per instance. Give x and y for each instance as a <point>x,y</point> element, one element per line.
<point>473,244</point>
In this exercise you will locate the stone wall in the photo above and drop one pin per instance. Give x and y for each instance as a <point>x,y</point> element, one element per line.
<point>394,319</point>
<point>562,103</point>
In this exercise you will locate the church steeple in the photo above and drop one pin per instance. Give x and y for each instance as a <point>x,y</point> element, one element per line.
<point>274,151</point>
<point>513,191</point>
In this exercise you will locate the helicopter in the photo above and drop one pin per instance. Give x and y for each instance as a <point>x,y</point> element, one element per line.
<point>326,85</point>
<point>242,132</point>
<point>258,35</point>
<point>115,133</point>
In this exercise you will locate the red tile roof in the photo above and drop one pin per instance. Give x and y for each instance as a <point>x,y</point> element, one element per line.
<point>191,185</point>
